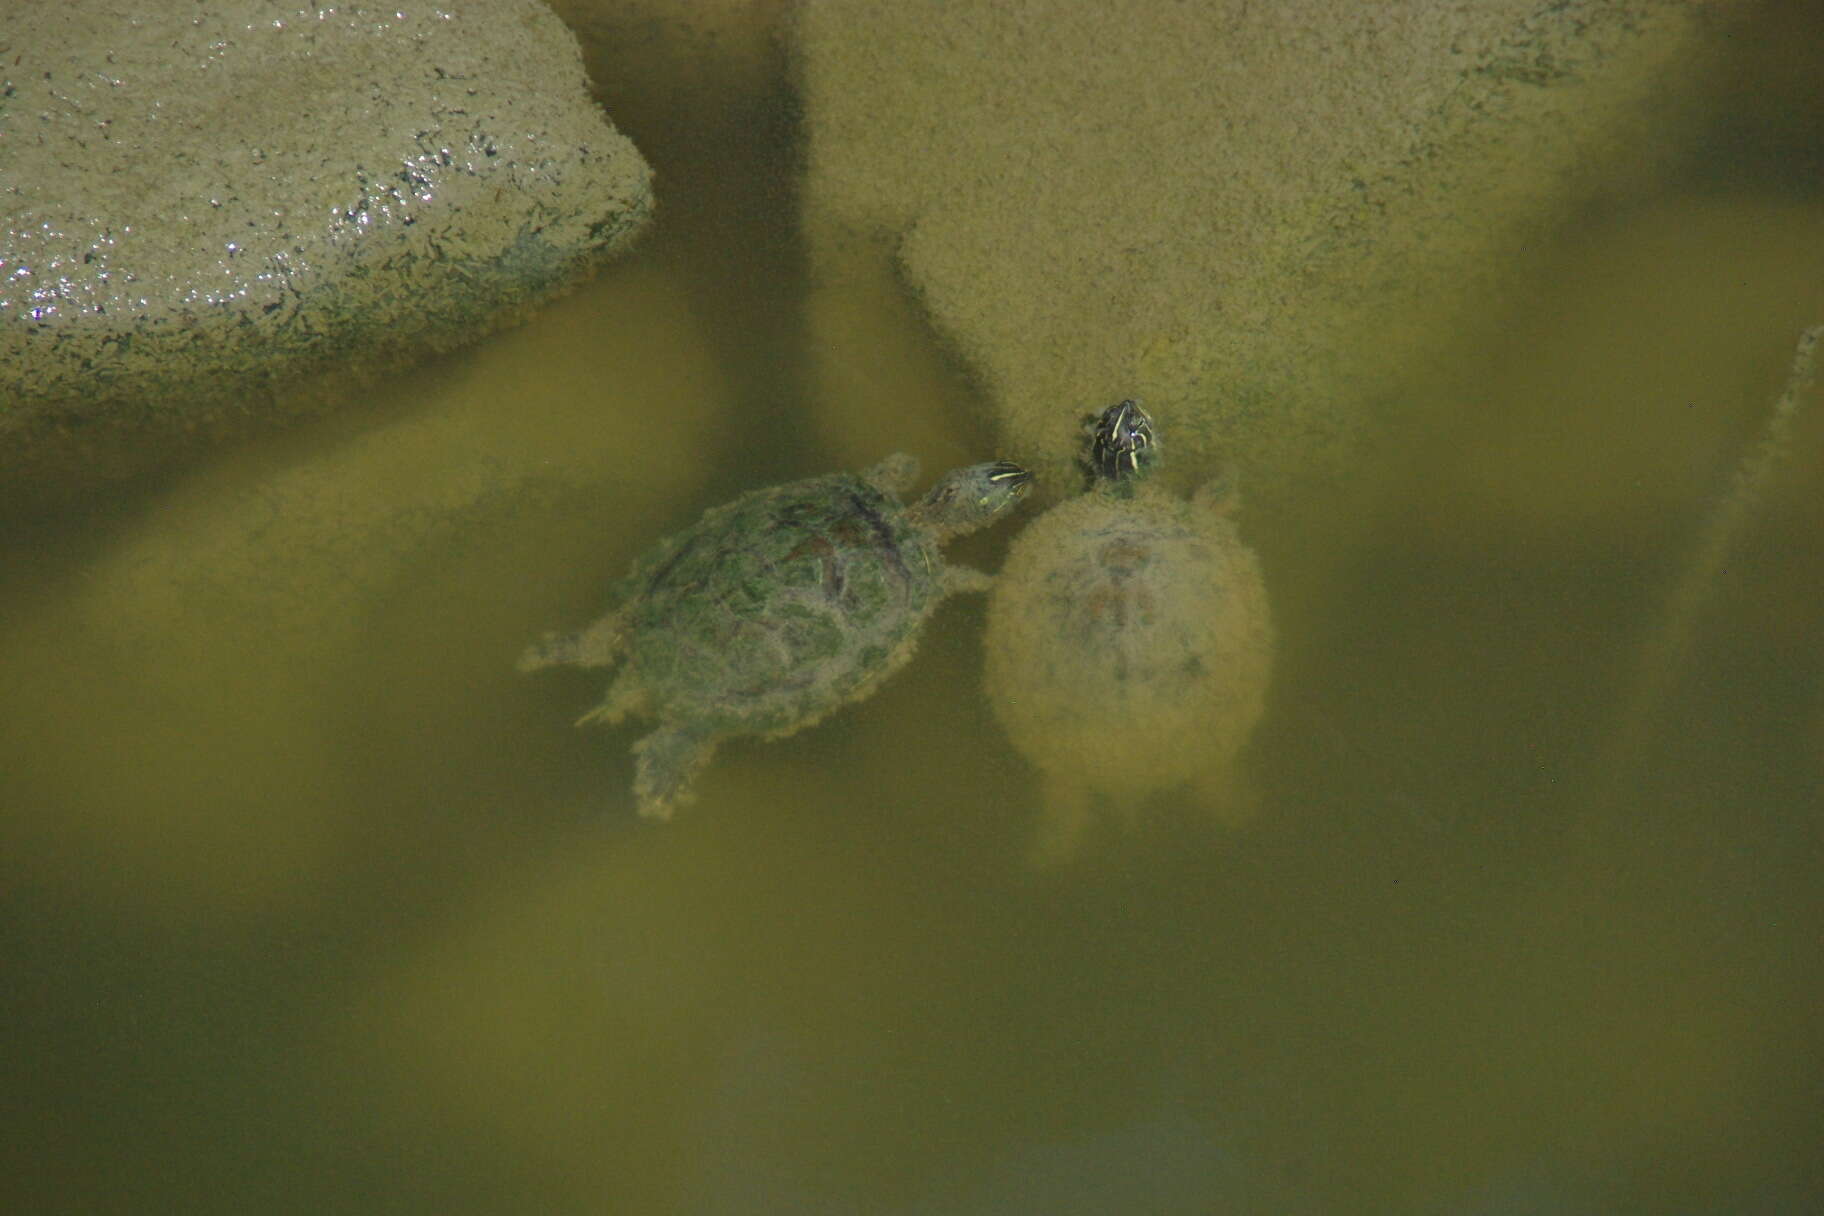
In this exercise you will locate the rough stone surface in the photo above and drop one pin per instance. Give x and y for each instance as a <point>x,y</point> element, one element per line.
<point>205,205</point>
<point>281,557</point>
<point>1253,216</point>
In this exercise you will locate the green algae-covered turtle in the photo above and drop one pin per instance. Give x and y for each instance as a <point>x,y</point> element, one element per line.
<point>776,609</point>
<point>1129,643</point>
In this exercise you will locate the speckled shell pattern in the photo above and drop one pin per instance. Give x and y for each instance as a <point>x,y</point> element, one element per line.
<point>779,607</point>
<point>1129,643</point>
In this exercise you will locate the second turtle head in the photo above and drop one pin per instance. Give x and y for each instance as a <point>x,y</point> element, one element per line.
<point>1122,445</point>
<point>973,497</point>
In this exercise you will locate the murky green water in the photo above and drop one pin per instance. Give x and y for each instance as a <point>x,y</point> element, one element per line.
<point>311,904</point>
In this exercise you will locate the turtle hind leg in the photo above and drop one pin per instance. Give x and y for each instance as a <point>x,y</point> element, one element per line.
<point>1229,794</point>
<point>665,764</point>
<point>1062,824</point>
<point>597,645</point>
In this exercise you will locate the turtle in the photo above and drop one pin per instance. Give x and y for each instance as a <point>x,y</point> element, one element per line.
<point>1129,642</point>
<point>775,609</point>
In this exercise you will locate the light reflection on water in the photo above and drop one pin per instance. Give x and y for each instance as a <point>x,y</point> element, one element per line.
<point>367,924</point>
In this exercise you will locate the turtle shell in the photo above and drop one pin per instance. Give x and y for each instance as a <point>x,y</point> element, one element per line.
<point>776,608</point>
<point>1129,641</point>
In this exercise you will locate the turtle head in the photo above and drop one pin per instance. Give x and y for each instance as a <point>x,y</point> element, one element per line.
<point>1122,446</point>
<point>973,497</point>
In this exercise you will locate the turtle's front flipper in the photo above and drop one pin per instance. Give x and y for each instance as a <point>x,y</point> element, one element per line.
<point>1220,495</point>
<point>666,762</point>
<point>599,645</point>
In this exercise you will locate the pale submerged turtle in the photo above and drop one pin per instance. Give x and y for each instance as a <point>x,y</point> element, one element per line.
<point>1129,643</point>
<point>775,609</point>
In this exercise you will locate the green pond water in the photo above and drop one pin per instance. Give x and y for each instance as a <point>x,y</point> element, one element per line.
<point>309,903</point>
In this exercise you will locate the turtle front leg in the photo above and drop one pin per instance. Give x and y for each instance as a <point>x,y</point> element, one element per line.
<point>597,645</point>
<point>665,764</point>
<point>1221,495</point>
<point>959,579</point>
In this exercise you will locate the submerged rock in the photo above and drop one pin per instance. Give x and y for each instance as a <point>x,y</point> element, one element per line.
<point>251,631</point>
<point>1260,217</point>
<point>272,564</point>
